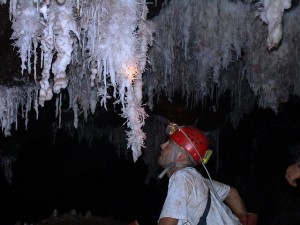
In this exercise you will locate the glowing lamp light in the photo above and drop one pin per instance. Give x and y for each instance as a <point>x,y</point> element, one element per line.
<point>130,72</point>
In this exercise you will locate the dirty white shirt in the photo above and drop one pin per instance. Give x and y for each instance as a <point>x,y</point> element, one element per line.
<point>187,197</point>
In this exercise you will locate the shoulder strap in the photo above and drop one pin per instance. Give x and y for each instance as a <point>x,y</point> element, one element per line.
<point>202,220</point>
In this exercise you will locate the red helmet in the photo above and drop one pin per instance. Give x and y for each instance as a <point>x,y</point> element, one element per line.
<point>192,140</point>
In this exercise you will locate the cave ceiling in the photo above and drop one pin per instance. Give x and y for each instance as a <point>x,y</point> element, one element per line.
<point>199,62</point>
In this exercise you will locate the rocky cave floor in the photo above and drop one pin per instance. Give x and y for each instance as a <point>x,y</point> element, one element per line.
<point>73,219</point>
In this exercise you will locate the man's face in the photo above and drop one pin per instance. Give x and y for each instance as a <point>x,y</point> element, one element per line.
<point>165,157</point>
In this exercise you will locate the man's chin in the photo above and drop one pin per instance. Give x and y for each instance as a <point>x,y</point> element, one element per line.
<point>160,163</point>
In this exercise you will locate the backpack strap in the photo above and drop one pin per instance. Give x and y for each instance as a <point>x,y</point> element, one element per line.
<point>202,220</point>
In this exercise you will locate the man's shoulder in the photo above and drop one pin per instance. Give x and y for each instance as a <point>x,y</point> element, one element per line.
<point>188,172</point>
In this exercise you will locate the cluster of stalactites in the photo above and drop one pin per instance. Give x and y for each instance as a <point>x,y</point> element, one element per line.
<point>191,49</point>
<point>274,75</point>
<point>16,102</point>
<point>116,36</point>
<point>104,41</point>
<point>195,49</point>
<point>52,25</point>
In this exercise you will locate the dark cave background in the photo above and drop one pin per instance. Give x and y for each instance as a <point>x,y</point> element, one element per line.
<point>68,174</point>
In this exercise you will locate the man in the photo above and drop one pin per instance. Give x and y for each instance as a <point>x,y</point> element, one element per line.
<point>293,173</point>
<point>191,196</point>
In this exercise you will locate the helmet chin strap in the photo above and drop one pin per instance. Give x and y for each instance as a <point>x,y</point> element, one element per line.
<point>170,166</point>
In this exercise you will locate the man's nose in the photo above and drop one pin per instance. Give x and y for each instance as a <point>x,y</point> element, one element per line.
<point>163,145</point>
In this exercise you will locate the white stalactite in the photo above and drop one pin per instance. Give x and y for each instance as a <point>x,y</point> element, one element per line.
<point>63,26</point>
<point>47,46</point>
<point>272,15</point>
<point>25,36</point>
<point>118,52</point>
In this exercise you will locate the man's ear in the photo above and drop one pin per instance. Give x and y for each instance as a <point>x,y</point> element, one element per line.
<point>182,157</point>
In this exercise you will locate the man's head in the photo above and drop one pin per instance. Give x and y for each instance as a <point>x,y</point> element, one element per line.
<point>186,146</point>
<point>173,155</point>
<point>169,158</point>
<point>192,140</point>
